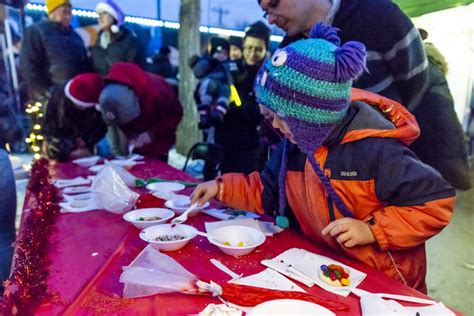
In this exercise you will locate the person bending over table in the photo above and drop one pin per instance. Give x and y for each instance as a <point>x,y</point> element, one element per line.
<point>357,188</point>
<point>144,106</point>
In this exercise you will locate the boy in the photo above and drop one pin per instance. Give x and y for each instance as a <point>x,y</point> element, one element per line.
<point>343,173</point>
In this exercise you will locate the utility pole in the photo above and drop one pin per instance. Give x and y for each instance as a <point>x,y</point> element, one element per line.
<point>158,9</point>
<point>221,12</point>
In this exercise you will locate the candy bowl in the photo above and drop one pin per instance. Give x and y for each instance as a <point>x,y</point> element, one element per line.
<point>180,203</point>
<point>168,237</point>
<point>146,217</point>
<point>239,240</point>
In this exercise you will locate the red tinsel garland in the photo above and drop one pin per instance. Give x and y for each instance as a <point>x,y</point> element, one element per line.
<point>26,287</point>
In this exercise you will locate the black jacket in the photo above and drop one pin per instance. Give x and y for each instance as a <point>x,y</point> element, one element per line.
<point>64,124</point>
<point>124,47</point>
<point>51,55</point>
<point>239,130</point>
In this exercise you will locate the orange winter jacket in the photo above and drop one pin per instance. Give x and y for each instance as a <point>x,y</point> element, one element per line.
<point>380,180</point>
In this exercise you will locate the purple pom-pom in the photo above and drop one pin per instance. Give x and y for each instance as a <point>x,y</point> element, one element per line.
<point>350,61</point>
<point>326,32</point>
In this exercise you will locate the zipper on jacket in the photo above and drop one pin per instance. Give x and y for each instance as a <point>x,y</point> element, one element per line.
<point>332,216</point>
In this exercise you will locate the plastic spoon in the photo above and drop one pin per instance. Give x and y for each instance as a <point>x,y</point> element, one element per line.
<point>222,241</point>
<point>183,217</point>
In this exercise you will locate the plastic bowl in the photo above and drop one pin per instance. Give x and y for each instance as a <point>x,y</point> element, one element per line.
<point>134,216</point>
<point>87,162</point>
<point>151,233</point>
<point>180,203</point>
<point>250,237</point>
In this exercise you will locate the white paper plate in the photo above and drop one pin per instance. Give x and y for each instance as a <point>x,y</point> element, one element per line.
<point>87,162</point>
<point>77,190</point>
<point>165,187</point>
<point>289,307</point>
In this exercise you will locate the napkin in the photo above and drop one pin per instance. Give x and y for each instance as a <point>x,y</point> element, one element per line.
<point>219,310</point>
<point>268,228</point>
<point>374,305</point>
<point>79,206</point>
<point>303,266</point>
<point>62,183</point>
<point>226,214</point>
<point>269,279</point>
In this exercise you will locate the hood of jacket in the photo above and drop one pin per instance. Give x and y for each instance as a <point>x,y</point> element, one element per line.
<point>131,75</point>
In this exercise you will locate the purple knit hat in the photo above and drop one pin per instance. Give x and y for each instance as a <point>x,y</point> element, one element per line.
<point>114,10</point>
<point>308,84</point>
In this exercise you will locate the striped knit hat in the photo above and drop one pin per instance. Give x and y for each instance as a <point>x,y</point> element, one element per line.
<point>308,84</point>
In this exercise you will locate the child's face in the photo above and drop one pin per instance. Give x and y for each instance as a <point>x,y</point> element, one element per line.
<point>278,123</point>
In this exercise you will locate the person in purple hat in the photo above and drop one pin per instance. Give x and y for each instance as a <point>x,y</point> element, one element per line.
<point>343,174</point>
<point>115,43</point>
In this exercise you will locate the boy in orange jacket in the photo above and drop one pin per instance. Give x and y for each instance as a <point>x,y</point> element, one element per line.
<point>344,172</point>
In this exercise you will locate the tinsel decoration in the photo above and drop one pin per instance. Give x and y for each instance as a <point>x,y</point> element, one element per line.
<point>26,288</point>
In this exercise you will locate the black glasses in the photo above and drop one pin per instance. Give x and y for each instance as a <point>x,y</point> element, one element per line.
<point>257,50</point>
<point>273,4</point>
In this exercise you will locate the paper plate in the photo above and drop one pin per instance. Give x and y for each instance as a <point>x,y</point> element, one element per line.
<point>77,190</point>
<point>87,162</point>
<point>165,186</point>
<point>289,307</point>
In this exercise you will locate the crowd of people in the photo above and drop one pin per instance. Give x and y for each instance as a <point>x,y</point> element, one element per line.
<point>342,166</point>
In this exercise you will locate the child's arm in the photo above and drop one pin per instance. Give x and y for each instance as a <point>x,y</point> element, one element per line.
<point>419,201</point>
<point>257,192</point>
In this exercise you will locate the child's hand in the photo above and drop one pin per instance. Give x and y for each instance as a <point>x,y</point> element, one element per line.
<point>350,232</point>
<point>204,192</point>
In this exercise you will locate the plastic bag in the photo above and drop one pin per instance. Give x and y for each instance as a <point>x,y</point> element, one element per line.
<point>112,193</point>
<point>153,272</point>
<point>125,175</point>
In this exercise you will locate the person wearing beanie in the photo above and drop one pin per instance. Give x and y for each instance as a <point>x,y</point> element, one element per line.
<point>72,125</point>
<point>239,135</point>
<point>344,174</point>
<point>143,106</point>
<point>52,52</point>
<point>115,43</point>
<point>235,47</point>
<point>219,48</point>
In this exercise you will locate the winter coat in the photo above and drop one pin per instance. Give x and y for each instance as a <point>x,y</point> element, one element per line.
<point>239,130</point>
<point>396,61</point>
<point>376,176</point>
<point>124,46</point>
<point>51,55</point>
<point>160,108</point>
<point>64,124</point>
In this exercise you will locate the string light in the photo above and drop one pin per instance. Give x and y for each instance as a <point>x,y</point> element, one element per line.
<point>152,22</point>
<point>35,138</point>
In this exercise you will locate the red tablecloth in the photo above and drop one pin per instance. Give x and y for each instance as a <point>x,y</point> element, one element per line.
<point>89,249</point>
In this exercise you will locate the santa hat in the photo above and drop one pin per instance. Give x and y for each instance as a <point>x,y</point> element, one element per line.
<point>110,7</point>
<point>84,90</point>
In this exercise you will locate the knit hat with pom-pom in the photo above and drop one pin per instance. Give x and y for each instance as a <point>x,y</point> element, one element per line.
<point>308,84</point>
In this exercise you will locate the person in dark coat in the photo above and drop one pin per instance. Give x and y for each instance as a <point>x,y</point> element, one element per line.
<point>115,42</point>
<point>160,64</point>
<point>144,106</point>
<point>238,135</point>
<point>442,143</point>
<point>72,125</point>
<point>52,52</point>
<point>235,48</point>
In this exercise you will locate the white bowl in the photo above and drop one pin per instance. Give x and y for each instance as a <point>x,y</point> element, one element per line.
<point>180,203</point>
<point>137,217</point>
<point>127,164</point>
<point>87,162</point>
<point>165,187</point>
<point>96,169</point>
<point>250,237</point>
<point>289,307</point>
<point>151,233</point>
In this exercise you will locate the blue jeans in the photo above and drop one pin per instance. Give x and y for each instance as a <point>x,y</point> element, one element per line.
<point>7,215</point>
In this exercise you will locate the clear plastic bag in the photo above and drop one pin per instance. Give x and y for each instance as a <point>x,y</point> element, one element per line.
<point>125,175</point>
<point>153,272</point>
<point>112,193</point>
